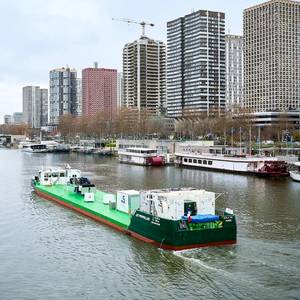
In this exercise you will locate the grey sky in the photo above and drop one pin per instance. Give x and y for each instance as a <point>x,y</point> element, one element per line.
<point>38,35</point>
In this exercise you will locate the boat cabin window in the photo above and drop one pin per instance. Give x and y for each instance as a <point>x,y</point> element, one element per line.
<point>144,151</point>
<point>199,161</point>
<point>190,160</point>
<point>185,160</point>
<point>210,162</point>
<point>62,175</point>
<point>205,162</point>
<point>195,161</point>
<point>54,174</point>
<point>38,147</point>
<point>46,176</point>
<point>147,151</point>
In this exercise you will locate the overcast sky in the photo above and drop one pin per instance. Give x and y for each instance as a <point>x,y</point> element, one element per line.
<point>38,35</point>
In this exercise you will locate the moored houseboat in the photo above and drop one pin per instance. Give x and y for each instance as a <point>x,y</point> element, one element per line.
<point>259,165</point>
<point>141,156</point>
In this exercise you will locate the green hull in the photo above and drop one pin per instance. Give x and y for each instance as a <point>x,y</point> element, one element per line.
<point>65,195</point>
<point>166,234</point>
<point>179,235</point>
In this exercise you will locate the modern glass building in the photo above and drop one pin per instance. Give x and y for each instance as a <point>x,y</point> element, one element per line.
<point>120,90</point>
<point>63,93</point>
<point>44,107</point>
<point>35,106</point>
<point>272,56</point>
<point>196,64</point>
<point>234,71</point>
<point>7,119</point>
<point>79,97</point>
<point>17,118</point>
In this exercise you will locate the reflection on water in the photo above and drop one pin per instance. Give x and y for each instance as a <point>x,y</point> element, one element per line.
<point>49,252</point>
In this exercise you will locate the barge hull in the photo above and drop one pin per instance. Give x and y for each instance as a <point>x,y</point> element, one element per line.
<point>167,235</point>
<point>212,169</point>
<point>164,246</point>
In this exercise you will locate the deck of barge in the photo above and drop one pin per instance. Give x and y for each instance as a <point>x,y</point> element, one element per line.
<point>96,208</point>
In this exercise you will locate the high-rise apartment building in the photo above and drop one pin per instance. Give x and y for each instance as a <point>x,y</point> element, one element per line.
<point>144,75</point>
<point>17,118</point>
<point>44,107</point>
<point>99,91</point>
<point>272,56</point>
<point>63,94</point>
<point>120,87</point>
<point>34,99</point>
<point>79,97</point>
<point>196,64</point>
<point>234,71</point>
<point>7,119</point>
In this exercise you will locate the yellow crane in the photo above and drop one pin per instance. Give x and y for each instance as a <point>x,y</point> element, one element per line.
<point>129,21</point>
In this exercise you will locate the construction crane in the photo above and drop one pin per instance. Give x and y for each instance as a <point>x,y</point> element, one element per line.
<point>129,21</point>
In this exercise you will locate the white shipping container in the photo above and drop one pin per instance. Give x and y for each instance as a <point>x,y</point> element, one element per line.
<point>170,204</point>
<point>124,200</point>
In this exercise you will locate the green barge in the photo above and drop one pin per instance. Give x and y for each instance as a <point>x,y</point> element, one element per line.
<point>172,219</point>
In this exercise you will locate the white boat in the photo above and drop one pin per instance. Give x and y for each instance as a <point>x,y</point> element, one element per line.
<point>295,174</point>
<point>53,146</point>
<point>260,165</point>
<point>141,156</point>
<point>35,148</point>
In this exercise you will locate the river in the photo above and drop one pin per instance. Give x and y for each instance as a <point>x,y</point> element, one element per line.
<point>50,252</point>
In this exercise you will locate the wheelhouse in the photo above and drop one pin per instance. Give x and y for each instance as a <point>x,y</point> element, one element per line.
<point>50,176</point>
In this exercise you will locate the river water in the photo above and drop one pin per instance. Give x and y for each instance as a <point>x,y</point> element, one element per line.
<point>50,252</point>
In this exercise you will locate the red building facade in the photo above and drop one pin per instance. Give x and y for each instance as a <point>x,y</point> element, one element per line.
<point>99,91</point>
